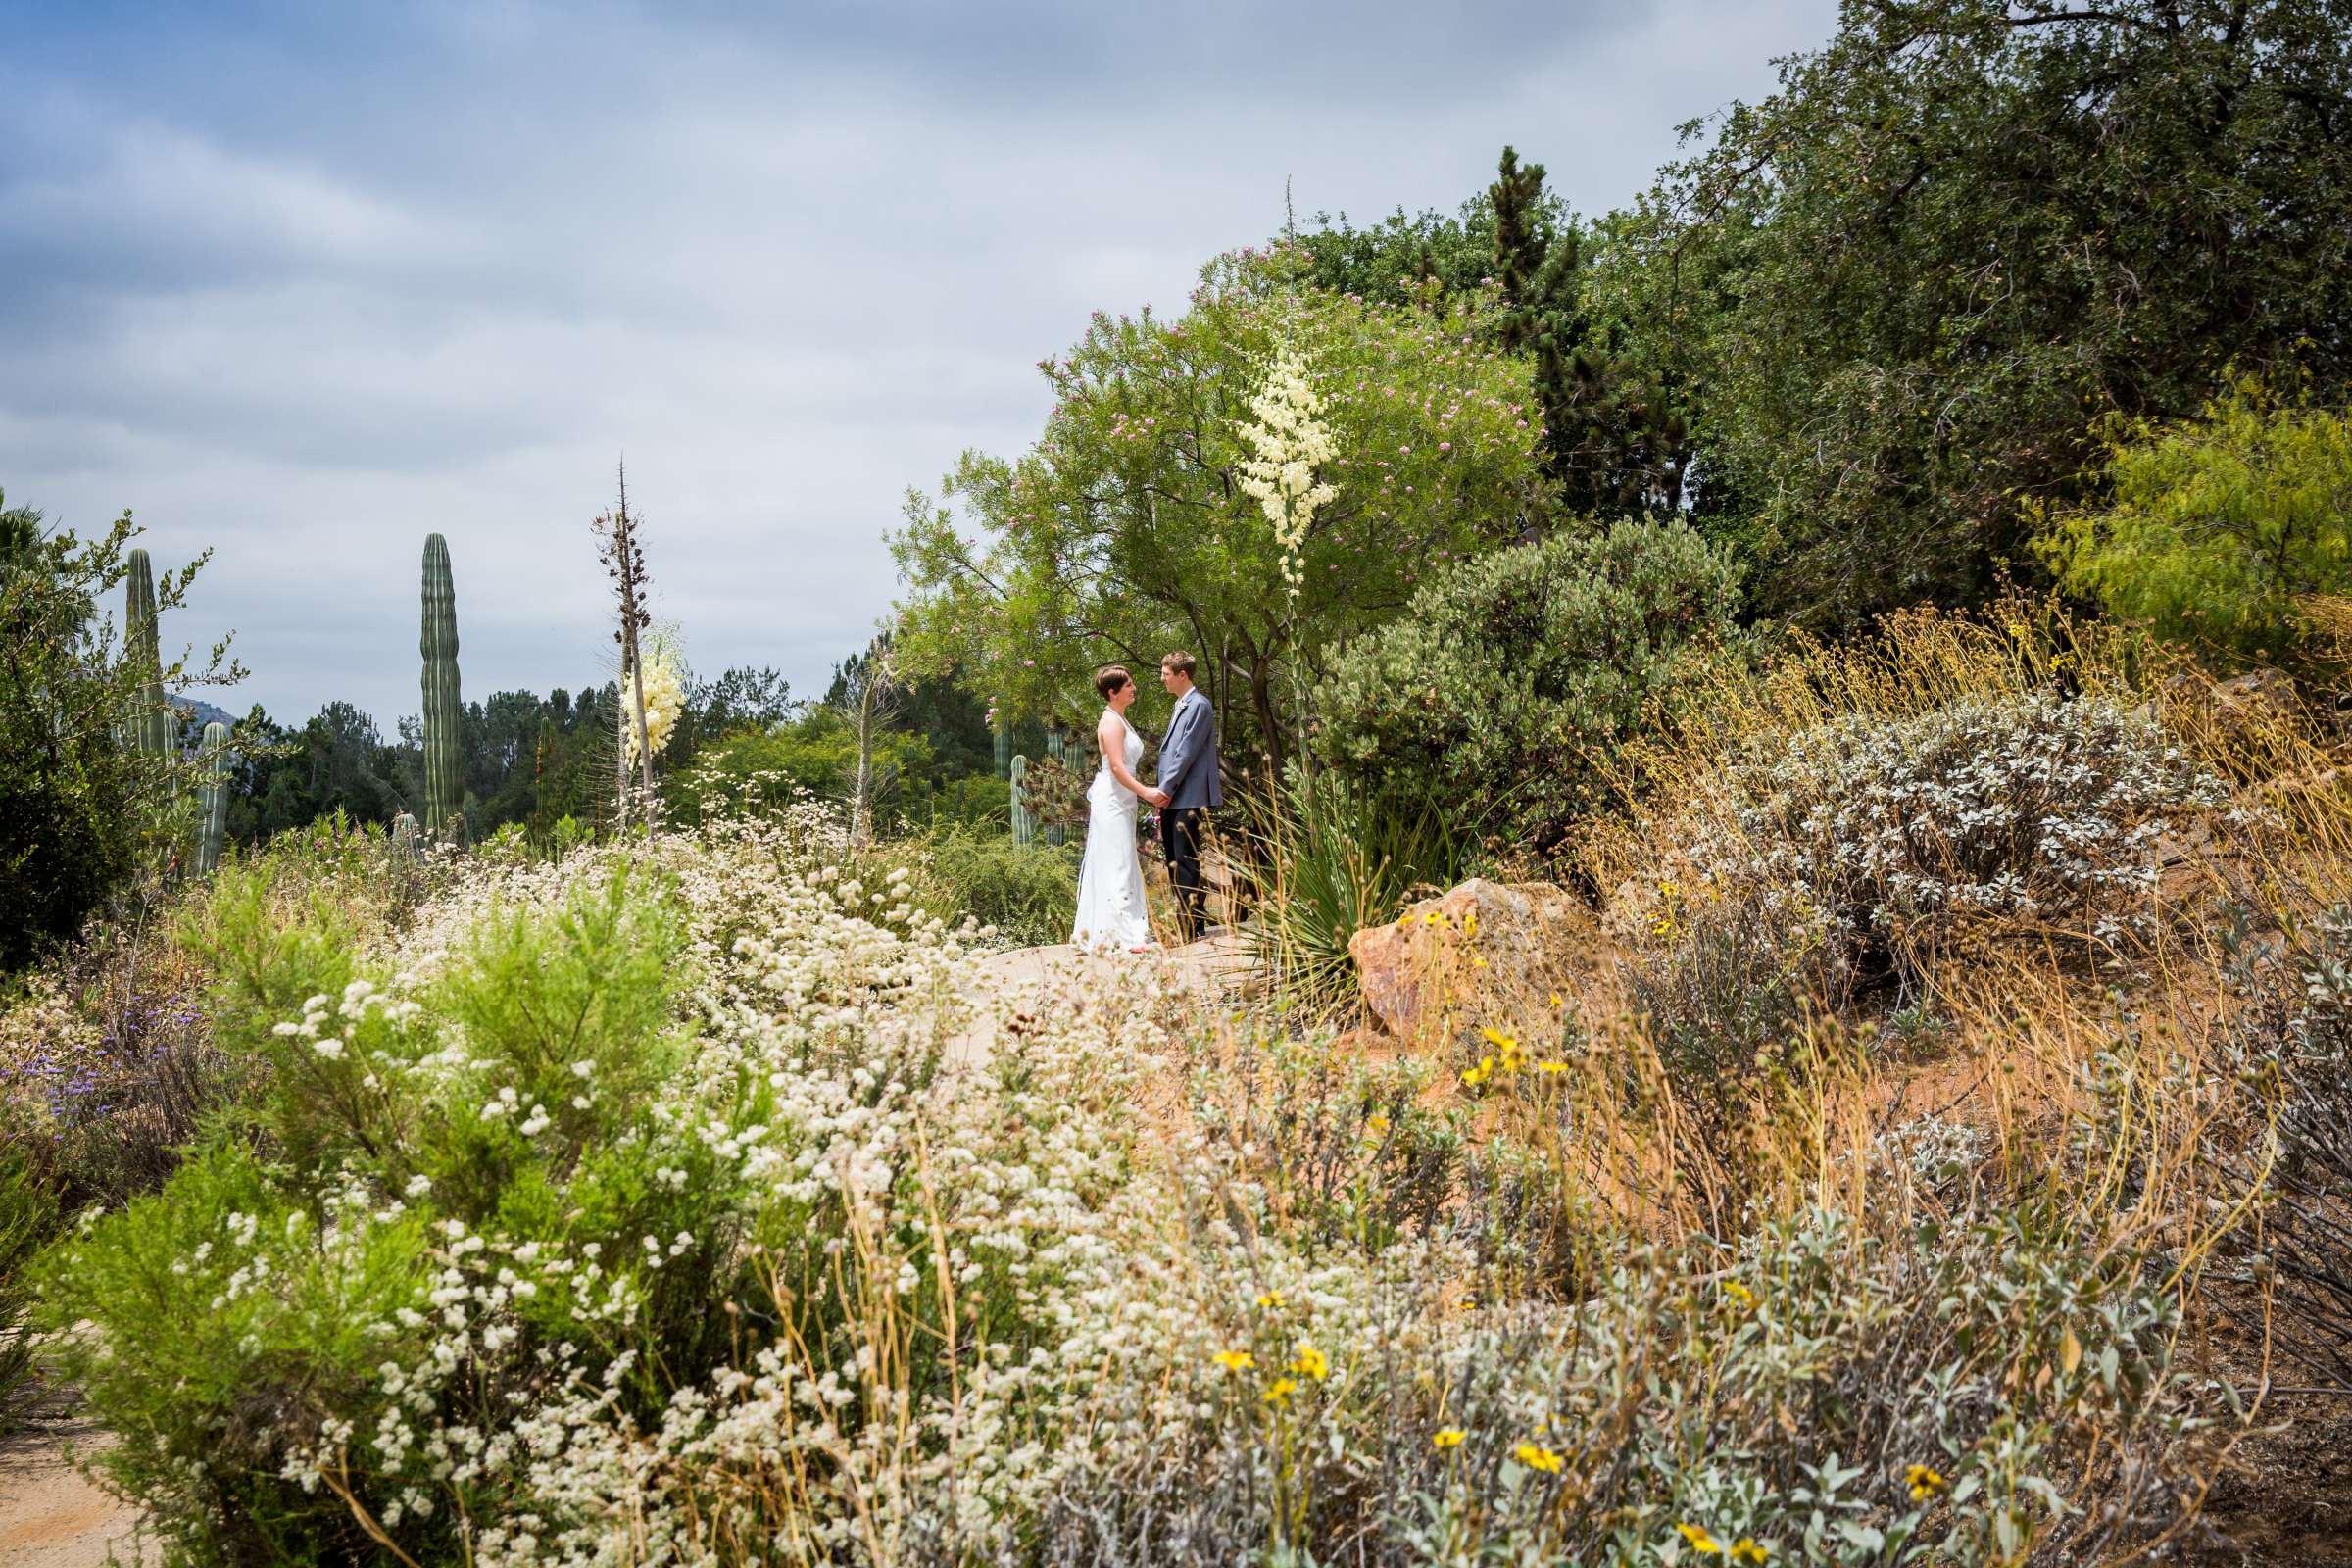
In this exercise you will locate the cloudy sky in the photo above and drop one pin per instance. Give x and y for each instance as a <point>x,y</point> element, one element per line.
<point>303,284</point>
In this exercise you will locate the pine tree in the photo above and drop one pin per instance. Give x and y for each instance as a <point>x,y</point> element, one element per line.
<point>1612,441</point>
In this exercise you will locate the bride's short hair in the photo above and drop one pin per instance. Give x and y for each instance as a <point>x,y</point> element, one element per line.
<point>1111,677</point>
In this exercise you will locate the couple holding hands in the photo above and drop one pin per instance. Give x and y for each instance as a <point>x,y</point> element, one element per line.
<point>1110,882</point>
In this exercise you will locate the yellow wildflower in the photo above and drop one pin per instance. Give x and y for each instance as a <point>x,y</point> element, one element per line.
<point>1536,1456</point>
<point>1480,1073</point>
<point>1470,923</point>
<point>1313,1362</point>
<point>1923,1482</point>
<point>1235,1360</point>
<point>1746,1551</point>
<point>1433,917</point>
<point>1551,1064</point>
<point>1477,963</point>
<point>1555,1000</point>
<point>1280,1391</point>
<point>1705,1544</point>
<point>1376,1125</point>
<point>1271,1300</point>
<point>1740,1293</point>
<point>1447,1436</point>
<point>1495,1037</point>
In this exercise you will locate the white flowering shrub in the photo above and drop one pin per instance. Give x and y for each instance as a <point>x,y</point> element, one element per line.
<point>1886,833</point>
<point>631,1211</point>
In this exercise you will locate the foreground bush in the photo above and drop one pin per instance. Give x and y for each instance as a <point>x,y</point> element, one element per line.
<point>617,1213</point>
<point>1506,687</point>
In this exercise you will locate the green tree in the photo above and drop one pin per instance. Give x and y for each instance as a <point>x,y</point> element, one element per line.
<point>2220,530</point>
<point>82,815</point>
<point>1124,531</point>
<point>1613,441</point>
<point>1902,288</point>
<point>1504,689</point>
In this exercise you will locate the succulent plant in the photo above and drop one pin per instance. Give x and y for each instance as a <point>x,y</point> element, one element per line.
<point>212,797</point>
<point>444,778</point>
<point>1025,820</point>
<point>405,837</point>
<point>149,726</point>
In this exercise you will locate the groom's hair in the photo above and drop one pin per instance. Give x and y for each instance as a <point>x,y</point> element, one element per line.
<point>1180,663</point>
<point>1111,677</point>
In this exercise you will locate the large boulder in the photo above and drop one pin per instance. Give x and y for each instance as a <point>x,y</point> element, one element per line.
<point>1477,953</point>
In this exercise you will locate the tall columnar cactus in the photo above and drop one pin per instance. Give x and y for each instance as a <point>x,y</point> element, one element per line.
<point>444,779</point>
<point>150,724</point>
<point>212,797</point>
<point>1025,820</point>
<point>1003,752</point>
<point>404,837</point>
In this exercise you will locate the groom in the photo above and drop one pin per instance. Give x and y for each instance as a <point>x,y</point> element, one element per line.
<point>1188,787</point>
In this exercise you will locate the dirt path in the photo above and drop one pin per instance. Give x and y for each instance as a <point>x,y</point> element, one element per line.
<point>51,1515</point>
<point>1207,968</point>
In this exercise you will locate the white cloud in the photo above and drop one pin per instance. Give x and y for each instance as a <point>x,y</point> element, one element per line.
<point>440,279</point>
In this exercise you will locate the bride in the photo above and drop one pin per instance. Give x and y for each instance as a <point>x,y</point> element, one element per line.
<point>1110,885</point>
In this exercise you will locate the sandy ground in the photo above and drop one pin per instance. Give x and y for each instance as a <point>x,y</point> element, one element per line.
<point>51,1516</point>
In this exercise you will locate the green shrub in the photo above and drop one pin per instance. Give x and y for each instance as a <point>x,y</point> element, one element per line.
<point>1030,895</point>
<point>2218,529</point>
<point>27,1215</point>
<point>83,813</point>
<point>1502,693</point>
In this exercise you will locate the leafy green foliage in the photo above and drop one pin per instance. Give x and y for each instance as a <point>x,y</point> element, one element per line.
<point>816,753</point>
<point>1509,683</point>
<point>1123,533</point>
<point>2215,528</point>
<point>27,1215</point>
<point>1899,289</point>
<point>1028,893</point>
<point>83,813</point>
<point>1612,441</point>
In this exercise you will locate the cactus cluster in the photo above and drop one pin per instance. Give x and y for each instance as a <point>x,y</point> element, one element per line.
<point>1025,820</point>
<point>444,778</point>
<point>212,797</point>
<point>149,724</point>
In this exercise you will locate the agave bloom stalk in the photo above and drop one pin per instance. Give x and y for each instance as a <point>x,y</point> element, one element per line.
<point>1287,443</point>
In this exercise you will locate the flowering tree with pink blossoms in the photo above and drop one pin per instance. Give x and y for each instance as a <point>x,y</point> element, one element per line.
<point>1130,527</point>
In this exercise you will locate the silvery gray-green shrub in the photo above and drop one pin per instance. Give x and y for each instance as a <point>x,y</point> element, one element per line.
<point>1511,679</point>
<point>1885,833</point>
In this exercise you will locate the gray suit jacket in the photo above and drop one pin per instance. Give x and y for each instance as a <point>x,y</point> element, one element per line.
<point>1187,756</point>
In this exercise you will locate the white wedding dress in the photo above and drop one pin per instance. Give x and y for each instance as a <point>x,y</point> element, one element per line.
<point>1111,883</point>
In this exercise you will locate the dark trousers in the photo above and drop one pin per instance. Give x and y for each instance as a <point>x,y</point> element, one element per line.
<point>1180,835</point>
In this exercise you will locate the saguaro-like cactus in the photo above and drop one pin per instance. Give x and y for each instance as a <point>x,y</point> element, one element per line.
<point>1025,820</point>
<point>212,797</point>
<point>444,779</point>
<point>1004,740</point>
<point>150,725</point>
<point>404,836</point>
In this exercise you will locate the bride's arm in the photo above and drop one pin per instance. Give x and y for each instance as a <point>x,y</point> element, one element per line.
<point>1112,736</point>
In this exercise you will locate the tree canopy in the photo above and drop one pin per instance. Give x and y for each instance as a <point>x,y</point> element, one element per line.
<point>1125,532</point>
<point>1901,290</point>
